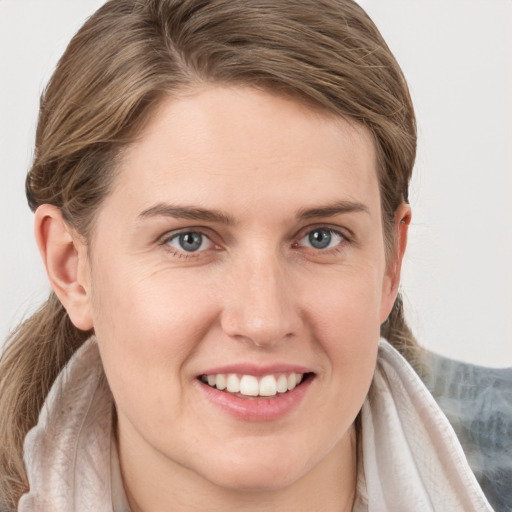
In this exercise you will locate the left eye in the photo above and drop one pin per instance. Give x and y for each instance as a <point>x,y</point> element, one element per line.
<point>189,241</point>
<point>321,238</point>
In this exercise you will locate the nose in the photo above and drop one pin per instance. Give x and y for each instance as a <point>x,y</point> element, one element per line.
<point>260,304</point>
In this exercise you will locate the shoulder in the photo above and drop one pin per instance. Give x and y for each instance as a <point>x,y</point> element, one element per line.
<point>478,403</point>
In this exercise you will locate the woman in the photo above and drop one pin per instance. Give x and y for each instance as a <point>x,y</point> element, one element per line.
<point>220,194</point>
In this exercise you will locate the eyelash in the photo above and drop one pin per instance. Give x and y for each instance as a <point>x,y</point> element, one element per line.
<point>344,240</point>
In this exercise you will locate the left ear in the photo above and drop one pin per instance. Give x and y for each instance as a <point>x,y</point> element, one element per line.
<point>394,266</point>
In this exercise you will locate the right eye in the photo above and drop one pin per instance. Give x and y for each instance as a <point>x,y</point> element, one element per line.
<point>189,241</point>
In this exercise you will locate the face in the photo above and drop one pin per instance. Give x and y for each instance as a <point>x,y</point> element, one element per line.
<point>241,246</point>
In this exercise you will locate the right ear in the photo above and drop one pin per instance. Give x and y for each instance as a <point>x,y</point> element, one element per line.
<point>65,258</point>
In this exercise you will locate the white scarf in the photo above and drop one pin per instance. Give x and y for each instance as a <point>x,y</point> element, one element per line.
<point>410,459</point>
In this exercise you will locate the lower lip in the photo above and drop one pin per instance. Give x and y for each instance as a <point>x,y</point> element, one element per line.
<point>257,409</point>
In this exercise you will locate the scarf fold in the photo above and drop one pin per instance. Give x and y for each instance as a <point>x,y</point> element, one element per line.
<point>67,454</point>
<point>410,458</point>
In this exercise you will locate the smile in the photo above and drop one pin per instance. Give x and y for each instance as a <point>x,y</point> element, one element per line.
<point>256,395</point>
<point>252,386</point>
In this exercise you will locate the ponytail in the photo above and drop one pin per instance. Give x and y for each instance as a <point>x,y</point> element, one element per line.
<point>34,355</point>
<point>399,334</point>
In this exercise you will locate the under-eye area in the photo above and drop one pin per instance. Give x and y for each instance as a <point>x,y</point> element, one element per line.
<point>244,386</point>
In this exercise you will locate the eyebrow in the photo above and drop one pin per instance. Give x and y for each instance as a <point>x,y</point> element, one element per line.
<point>187,212</point>
<point>217,216</point>
<point>330,210</point>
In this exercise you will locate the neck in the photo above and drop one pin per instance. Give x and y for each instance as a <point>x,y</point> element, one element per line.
<point>329,486</point>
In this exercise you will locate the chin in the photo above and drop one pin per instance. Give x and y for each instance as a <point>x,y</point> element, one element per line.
<point>256,480</point>
<point>253,474</point>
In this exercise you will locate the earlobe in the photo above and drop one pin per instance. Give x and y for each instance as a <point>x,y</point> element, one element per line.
<point>65,259</point>
<point>392,279</point>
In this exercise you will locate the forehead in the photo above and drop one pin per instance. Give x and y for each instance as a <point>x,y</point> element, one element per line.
<point>245,147</point>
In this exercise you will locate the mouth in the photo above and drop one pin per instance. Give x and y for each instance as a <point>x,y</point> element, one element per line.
<point>254,387</point>
<point>256,395</point>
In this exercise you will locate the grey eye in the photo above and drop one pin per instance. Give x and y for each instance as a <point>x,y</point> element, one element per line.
<point>321,238</point>
<point>189,241</point>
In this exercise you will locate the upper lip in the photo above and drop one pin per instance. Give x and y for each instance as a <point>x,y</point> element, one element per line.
<point>256,370</point>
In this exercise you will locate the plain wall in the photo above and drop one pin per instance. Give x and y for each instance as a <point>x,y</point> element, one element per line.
<point>457,57</point>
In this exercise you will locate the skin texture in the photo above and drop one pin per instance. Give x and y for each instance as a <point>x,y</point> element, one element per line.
<point>256,292</point>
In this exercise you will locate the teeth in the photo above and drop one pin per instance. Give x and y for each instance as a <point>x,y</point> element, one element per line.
<point>233,383</point>
<point>268,386</point>
<point>249,385</point>
<point>220,381</point>
<point>292,381</point>
<point>282,384</point>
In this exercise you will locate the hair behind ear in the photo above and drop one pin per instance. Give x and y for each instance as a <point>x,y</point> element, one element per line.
<point>34,355</point>
<point>399,334</point>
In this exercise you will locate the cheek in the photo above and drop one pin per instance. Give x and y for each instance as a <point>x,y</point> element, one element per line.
<point>345,318</point>
<point>158,307</point>
<point>348,302</point>
<point>147,327</point>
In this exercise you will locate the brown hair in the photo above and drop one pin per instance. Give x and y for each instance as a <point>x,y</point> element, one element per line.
<point>116,69</point>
